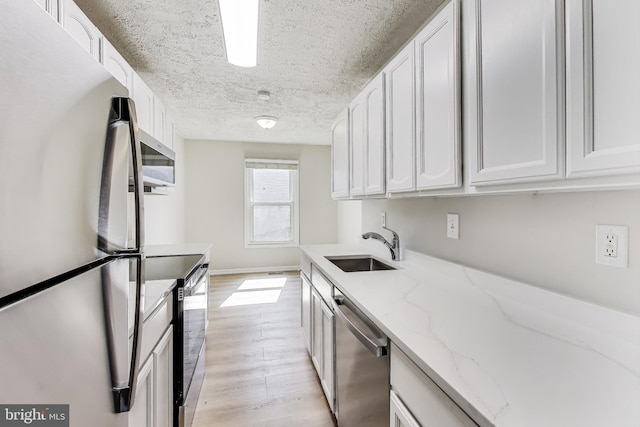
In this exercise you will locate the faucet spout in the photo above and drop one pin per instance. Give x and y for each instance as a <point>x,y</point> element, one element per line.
<point>394,247</point>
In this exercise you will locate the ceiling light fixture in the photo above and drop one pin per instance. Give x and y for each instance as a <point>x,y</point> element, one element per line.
<point>266,122</point>
<point>264,95</point>
<point>239,19</point>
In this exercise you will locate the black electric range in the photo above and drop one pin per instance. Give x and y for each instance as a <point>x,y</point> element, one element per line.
<point>189,322</point>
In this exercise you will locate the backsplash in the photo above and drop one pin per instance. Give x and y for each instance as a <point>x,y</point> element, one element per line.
<point>546,240</point>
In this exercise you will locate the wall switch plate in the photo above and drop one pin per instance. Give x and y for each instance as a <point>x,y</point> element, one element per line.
<point>383,219</point>
<point>453,229</point>
<point>612,245</point>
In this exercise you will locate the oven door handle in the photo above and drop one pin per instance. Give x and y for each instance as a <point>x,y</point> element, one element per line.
<point>369,338</point>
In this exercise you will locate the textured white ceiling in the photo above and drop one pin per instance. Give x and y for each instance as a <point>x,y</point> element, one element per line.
<point>314,57</point>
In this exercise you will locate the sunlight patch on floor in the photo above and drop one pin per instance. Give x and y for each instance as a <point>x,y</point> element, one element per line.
<point>256,291</point>
<point>265,283</point>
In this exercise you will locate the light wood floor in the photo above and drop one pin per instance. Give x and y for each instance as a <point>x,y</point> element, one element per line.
<point>258,372</point>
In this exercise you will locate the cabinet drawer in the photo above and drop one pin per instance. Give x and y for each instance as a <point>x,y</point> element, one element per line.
<point>322,285</point>
<point>427,403</point>
<point>154,327</point>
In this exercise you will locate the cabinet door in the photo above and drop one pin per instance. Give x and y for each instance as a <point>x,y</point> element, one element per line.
<point>163,380</point>
<point>340,157</point>
<point>169,132</point>
<point>399,415</point>
<point>117,65</point>
<point>428,404</point>
<point>141,415</point>
<point>159,120</point>
<point>51,6</point>
<point>357,117</point>
<point>81,29</point>
<point>316,331</point>
<point>437,55</point>
<point>327,377</point>
<point>305,310</point>
<point>520,134</point>
<point>603,87</point>
<point>374,177</point>
<point>143,98</point>
<point>400,121</point>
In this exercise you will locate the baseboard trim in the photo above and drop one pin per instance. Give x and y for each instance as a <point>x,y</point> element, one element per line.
<point>222,272</point>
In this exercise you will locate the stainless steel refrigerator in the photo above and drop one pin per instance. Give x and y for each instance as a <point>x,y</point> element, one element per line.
<point>68,154</point>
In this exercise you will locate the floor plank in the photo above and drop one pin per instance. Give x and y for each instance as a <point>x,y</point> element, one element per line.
<point>258,372</point>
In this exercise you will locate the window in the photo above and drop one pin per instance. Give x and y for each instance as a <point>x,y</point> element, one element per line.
<point>271,203</point>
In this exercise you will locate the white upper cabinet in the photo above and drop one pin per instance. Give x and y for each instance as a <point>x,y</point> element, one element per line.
<point>375,147</point>
<point>400,121</point>
<point>119,68</point>
<point>603,87</point>
<point>340,157</point>
<point>143,98</point>
<point>437,53</point>
<point>51,6</point>
<point>169,132</point>
<point>81,29</point>
<point>159,120</point>
<point>367,140</point>
<point>357,116</point>
<point>520,108</point>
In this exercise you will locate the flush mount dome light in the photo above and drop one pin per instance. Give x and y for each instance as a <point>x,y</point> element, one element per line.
<point>239,19</point>
<point>266,122</point>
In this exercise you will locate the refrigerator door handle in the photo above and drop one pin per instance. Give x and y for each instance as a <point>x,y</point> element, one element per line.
<point>124,395</point>
<point>123,111</point>
<point>122,123</point>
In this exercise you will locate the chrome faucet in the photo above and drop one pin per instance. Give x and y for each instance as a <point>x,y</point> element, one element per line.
<point>394,247</point>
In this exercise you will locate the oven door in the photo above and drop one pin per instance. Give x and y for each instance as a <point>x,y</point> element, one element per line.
<point>194,317</point>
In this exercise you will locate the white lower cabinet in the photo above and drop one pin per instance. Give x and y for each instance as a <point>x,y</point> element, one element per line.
<point>418,401</point>
<point>305,310</point>
<point>153,401</point>
<point>141,415</point>
<point>399,415</point>
<point>327,372</point>
<point>163,380</point>
<point>318,330</point>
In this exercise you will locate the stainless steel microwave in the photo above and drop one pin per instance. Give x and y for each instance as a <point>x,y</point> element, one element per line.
<point>158,163</point>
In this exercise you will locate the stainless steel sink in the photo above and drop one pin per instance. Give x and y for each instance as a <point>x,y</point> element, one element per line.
<point>353,263</point>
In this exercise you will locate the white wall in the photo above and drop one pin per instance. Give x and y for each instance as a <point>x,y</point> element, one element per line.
<point>349,221</point>
<point>546,240</point>
<point>165,214</point>
<point>215,201</point>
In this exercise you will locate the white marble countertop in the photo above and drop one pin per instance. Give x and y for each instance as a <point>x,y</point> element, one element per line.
<point>178,249</point>
<point>508,353</point>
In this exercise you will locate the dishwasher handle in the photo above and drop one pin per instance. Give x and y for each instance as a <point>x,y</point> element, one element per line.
<point>374,343</point>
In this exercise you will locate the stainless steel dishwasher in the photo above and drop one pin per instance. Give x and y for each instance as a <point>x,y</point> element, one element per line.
<point>362,367</point>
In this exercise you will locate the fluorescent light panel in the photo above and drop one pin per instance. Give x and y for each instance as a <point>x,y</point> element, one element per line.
<point>240,30</point>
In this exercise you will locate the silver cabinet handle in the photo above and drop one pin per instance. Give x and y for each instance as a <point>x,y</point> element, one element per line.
<point>375,345</point>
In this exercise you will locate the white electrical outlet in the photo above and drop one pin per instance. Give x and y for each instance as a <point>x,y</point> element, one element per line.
<point>383,219</point>
<point>612,245</point>
<point>453,229</point>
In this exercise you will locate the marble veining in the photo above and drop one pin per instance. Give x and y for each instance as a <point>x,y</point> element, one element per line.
<point>508,353</point>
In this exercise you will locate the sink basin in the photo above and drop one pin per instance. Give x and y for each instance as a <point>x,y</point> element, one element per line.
<point>353,263</point>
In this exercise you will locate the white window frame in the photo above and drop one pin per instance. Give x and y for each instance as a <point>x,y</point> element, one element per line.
<point>253,164</point>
